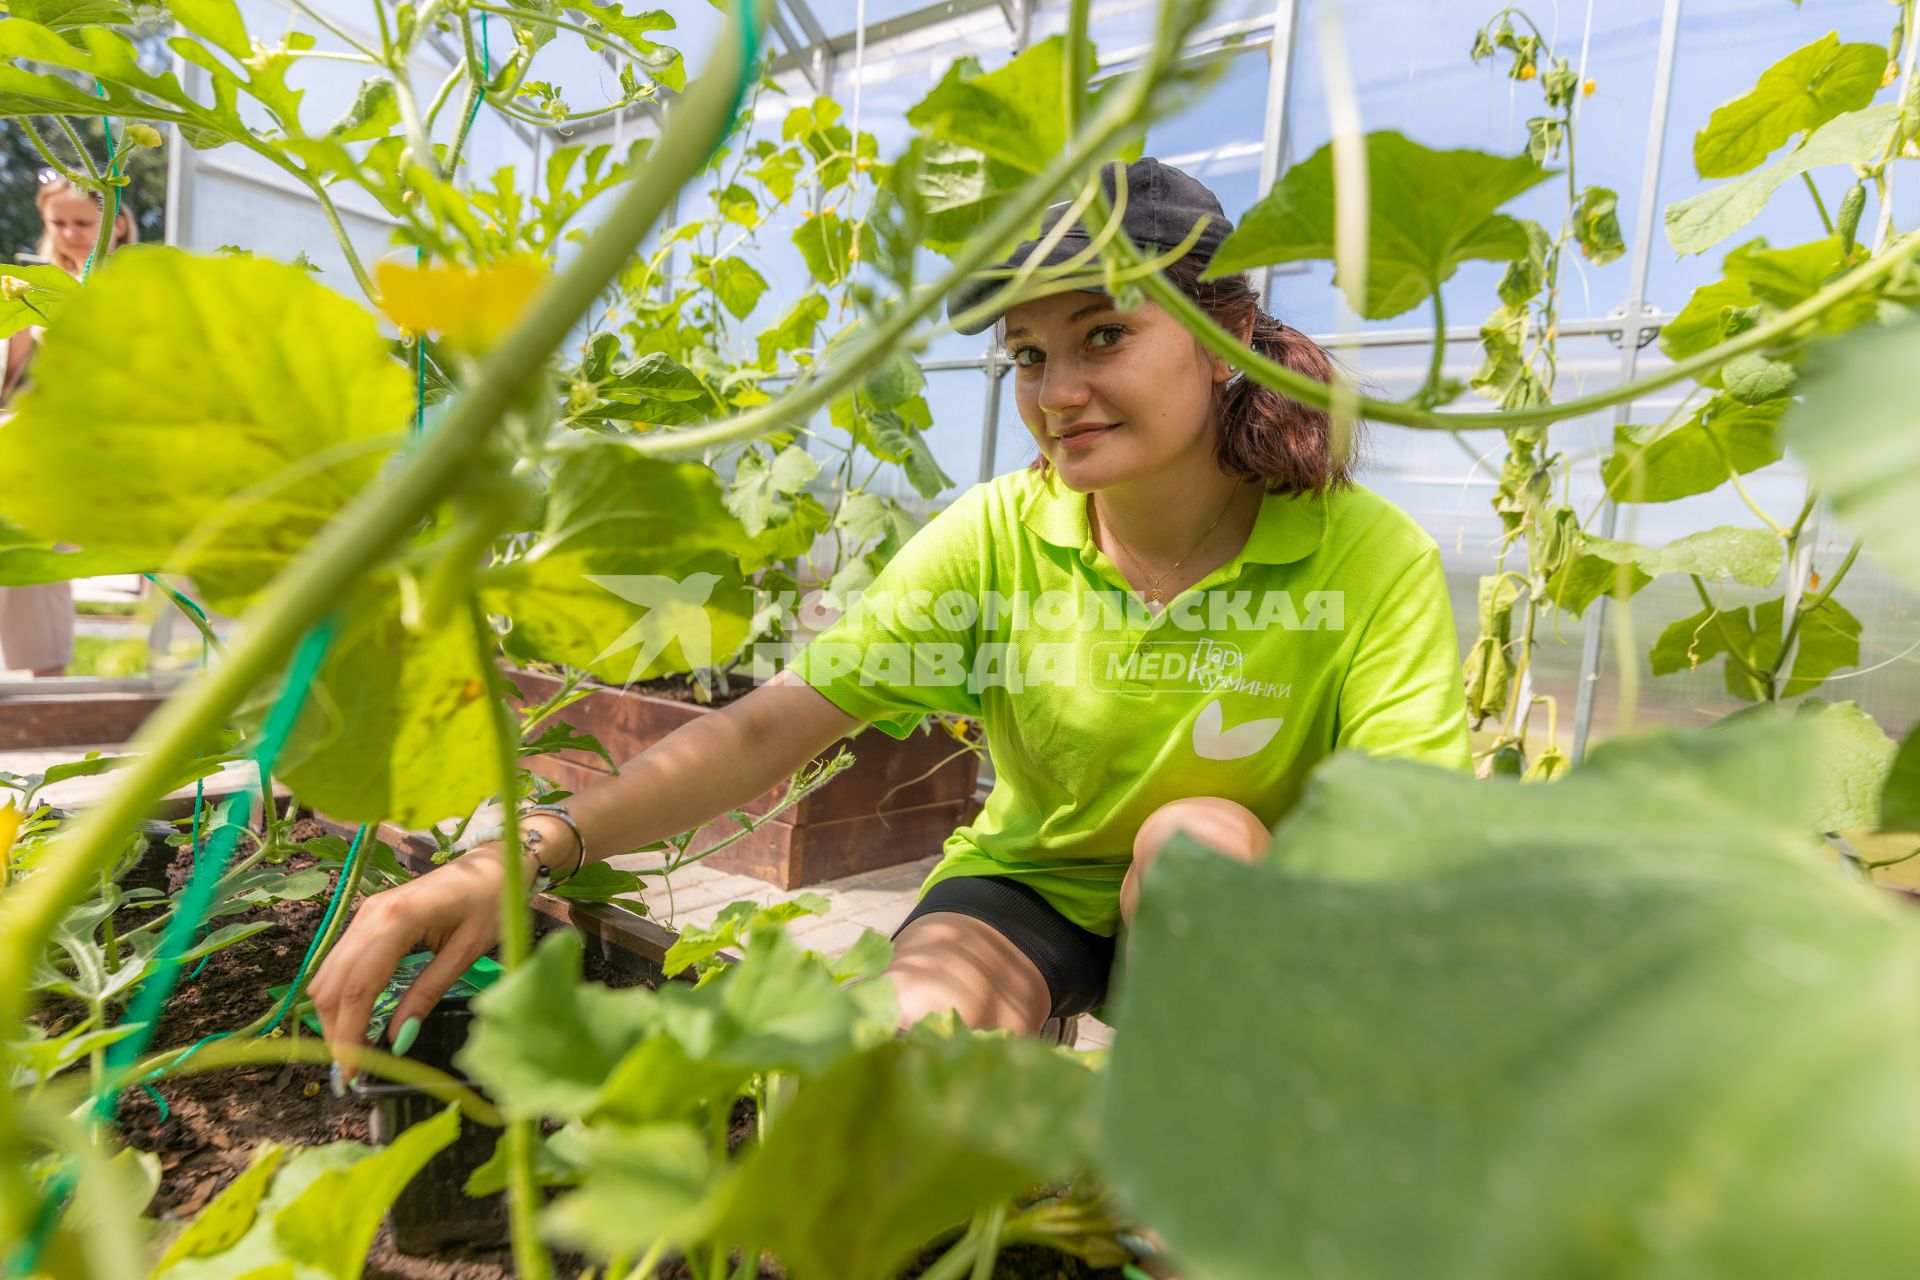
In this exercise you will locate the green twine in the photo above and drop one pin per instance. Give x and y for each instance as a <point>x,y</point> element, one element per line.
<point>199,784</point>
<point>113,171</point>
<point>749,56</point>
<point>158,1101</point>
<point>198,896</point>
<point>195,901</point>
<point>349,874</point>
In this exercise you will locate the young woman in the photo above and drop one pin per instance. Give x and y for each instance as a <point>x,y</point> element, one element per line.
<point>36,623</point>
<point>1164,623</point>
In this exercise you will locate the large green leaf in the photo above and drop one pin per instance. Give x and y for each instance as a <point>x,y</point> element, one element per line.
<point>398,726</point>
<point>950,191</point>
<point>1829,640</point>
<point>1762,281</point>
<point>639,1185</point>
<point>230,404</point>
<point>779,1009</point>
<point>1854,757</point>
<point>62,15</point>
<point>1011,115</point>
<point>1697,224</point>
<point>885,1151</point>
<point>1854,430</point>
<point>634,573</point>
<point>331,1226</point>
<point>761,487</point>
<point>868,516</point>
<point>1660,463</point>
<point>1428,211</point>
<point>1900,797</point>
<point>216,21</point>
<point>1632,1024</point>
<point>26,560</point>
<point>544,1042</point>
<point>660,62</point>
<point>1802,91</point>
<point>1751,556</point>
<point>794,330</point>
<point>826,242</point>
<point>654,390</point>
<point>318,1218</point>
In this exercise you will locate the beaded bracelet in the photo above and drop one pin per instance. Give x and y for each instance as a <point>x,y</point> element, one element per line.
<point>543,879</point>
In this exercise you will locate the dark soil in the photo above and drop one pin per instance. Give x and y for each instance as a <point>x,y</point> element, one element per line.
<point>683,689</point>
<point>215,1121</point>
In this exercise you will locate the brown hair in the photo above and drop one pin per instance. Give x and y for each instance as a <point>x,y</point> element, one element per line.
<point>1265,435</point>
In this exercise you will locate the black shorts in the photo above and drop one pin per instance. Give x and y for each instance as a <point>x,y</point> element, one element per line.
<point>1075,962</point>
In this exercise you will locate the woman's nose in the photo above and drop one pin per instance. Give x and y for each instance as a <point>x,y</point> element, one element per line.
<point>1062,388</point>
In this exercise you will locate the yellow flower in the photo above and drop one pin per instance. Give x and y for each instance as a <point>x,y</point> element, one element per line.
<point>1528,72</point>
<point>143,135</point>
<point>1587,88</point>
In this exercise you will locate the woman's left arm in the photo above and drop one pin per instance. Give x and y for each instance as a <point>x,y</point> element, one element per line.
<point>1404,695</point>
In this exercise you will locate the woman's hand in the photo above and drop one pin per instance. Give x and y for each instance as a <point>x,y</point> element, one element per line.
<point>454,910</point>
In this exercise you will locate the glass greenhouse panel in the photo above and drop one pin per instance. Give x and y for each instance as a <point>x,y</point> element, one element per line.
<point>1413,73</point>
<point>1725,46</point>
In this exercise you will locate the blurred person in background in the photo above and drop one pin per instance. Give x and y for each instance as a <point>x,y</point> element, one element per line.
<point>36,622</point>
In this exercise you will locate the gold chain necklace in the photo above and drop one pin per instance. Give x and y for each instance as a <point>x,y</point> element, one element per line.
<point>1156,600</point>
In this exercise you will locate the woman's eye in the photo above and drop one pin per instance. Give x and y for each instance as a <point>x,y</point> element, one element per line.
<point>1019,357</point>
<point>1112,333</point>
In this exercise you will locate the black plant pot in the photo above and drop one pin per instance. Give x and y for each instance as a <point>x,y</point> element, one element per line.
<point>434,1210</point>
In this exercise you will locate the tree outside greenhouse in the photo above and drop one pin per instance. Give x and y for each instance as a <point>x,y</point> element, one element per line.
<point>621,356</point>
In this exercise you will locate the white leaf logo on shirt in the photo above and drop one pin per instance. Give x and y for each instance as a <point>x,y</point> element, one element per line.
<point>1213,741</point>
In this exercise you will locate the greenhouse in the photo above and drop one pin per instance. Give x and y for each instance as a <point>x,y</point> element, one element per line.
<point>859,639</point>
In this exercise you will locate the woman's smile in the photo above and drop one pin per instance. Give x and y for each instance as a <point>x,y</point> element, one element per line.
<point>1084,435</point>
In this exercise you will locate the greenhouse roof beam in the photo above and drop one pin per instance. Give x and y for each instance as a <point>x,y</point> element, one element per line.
<point>892,28</point>
<point>808,60</point>
<point>803,14</point>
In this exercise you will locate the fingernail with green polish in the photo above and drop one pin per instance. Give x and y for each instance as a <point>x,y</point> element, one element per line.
<point>409,1032</point>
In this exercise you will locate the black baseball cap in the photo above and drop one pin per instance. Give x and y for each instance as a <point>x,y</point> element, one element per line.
<point>1163,203</point>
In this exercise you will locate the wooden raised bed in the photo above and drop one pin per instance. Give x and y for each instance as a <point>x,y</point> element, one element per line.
<point>73,719</point>
<point>880,812</point>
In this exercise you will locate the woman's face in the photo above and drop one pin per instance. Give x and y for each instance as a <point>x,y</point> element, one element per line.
<point>1110,396</point>
<point>74,221</point>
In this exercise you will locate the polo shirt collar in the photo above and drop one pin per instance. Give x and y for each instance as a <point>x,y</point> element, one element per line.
<point>1289,527</point>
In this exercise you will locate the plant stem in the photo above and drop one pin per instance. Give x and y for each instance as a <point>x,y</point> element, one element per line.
<point>445,90</point>
<point>516,940</point>
<point>1883,180</point>
<point>376,520</point>
<point>650,1260</point>
<point>1431,387</point>
<point>79,147</point>
<point>46,153</point>
<point>341,35</point>
<point>1808,606</point>
<point>602,36</point>
<point>1713,618</point>
<point>989,1249</point>
<point>1271,373</point>
<point>1818,203</point>
<point>239,1050</point>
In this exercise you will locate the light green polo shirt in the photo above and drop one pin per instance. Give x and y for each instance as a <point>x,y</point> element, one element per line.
<point>1330,630</point>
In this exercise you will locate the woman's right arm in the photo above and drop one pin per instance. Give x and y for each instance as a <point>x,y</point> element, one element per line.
<point>709,765</point>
